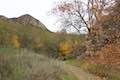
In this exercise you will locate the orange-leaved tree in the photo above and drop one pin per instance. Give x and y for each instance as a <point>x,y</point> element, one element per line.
<point>65,48</point>
<point>15,41</point>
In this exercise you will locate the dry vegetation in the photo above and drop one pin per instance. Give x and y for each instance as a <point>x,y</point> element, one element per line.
<point>22,64</point>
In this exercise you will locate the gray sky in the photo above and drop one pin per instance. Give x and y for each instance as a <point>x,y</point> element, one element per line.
<point>37,8</point>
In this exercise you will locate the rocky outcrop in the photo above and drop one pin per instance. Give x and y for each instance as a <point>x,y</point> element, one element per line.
<point>28,20</point>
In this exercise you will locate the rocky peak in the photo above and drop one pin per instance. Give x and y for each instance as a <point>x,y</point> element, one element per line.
<point>28,20</point>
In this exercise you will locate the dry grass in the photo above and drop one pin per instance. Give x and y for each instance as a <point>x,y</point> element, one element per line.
<point>26,65</point>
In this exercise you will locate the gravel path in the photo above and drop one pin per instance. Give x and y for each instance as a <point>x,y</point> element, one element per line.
<point>80,74</point>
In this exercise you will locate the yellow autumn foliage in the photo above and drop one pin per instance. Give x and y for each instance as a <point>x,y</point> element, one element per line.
<point>65,48</point>
<point>15,41</point>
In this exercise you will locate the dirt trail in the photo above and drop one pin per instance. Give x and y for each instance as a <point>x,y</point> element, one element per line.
<point>80,74</point>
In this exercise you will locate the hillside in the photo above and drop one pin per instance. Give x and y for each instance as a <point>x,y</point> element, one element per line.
<point>32,34</point>
<point>28,32</point>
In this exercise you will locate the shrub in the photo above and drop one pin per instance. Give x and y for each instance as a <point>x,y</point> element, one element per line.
<point>15,41</point>
<point>65,48</point>
<point>26,65</point>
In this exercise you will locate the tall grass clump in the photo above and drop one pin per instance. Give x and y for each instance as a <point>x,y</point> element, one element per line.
<point>26,65</point>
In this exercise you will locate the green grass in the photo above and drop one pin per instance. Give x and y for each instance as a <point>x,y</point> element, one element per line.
<point>104,71</point>
<point>69,77</point>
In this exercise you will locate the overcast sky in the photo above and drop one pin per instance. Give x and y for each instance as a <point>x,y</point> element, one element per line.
<point>37,8</point>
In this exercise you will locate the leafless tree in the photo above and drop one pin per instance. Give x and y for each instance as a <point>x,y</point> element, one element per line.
<point>77,13</point>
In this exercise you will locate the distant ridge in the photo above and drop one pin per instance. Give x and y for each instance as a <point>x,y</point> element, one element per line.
<point>28,20</point>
